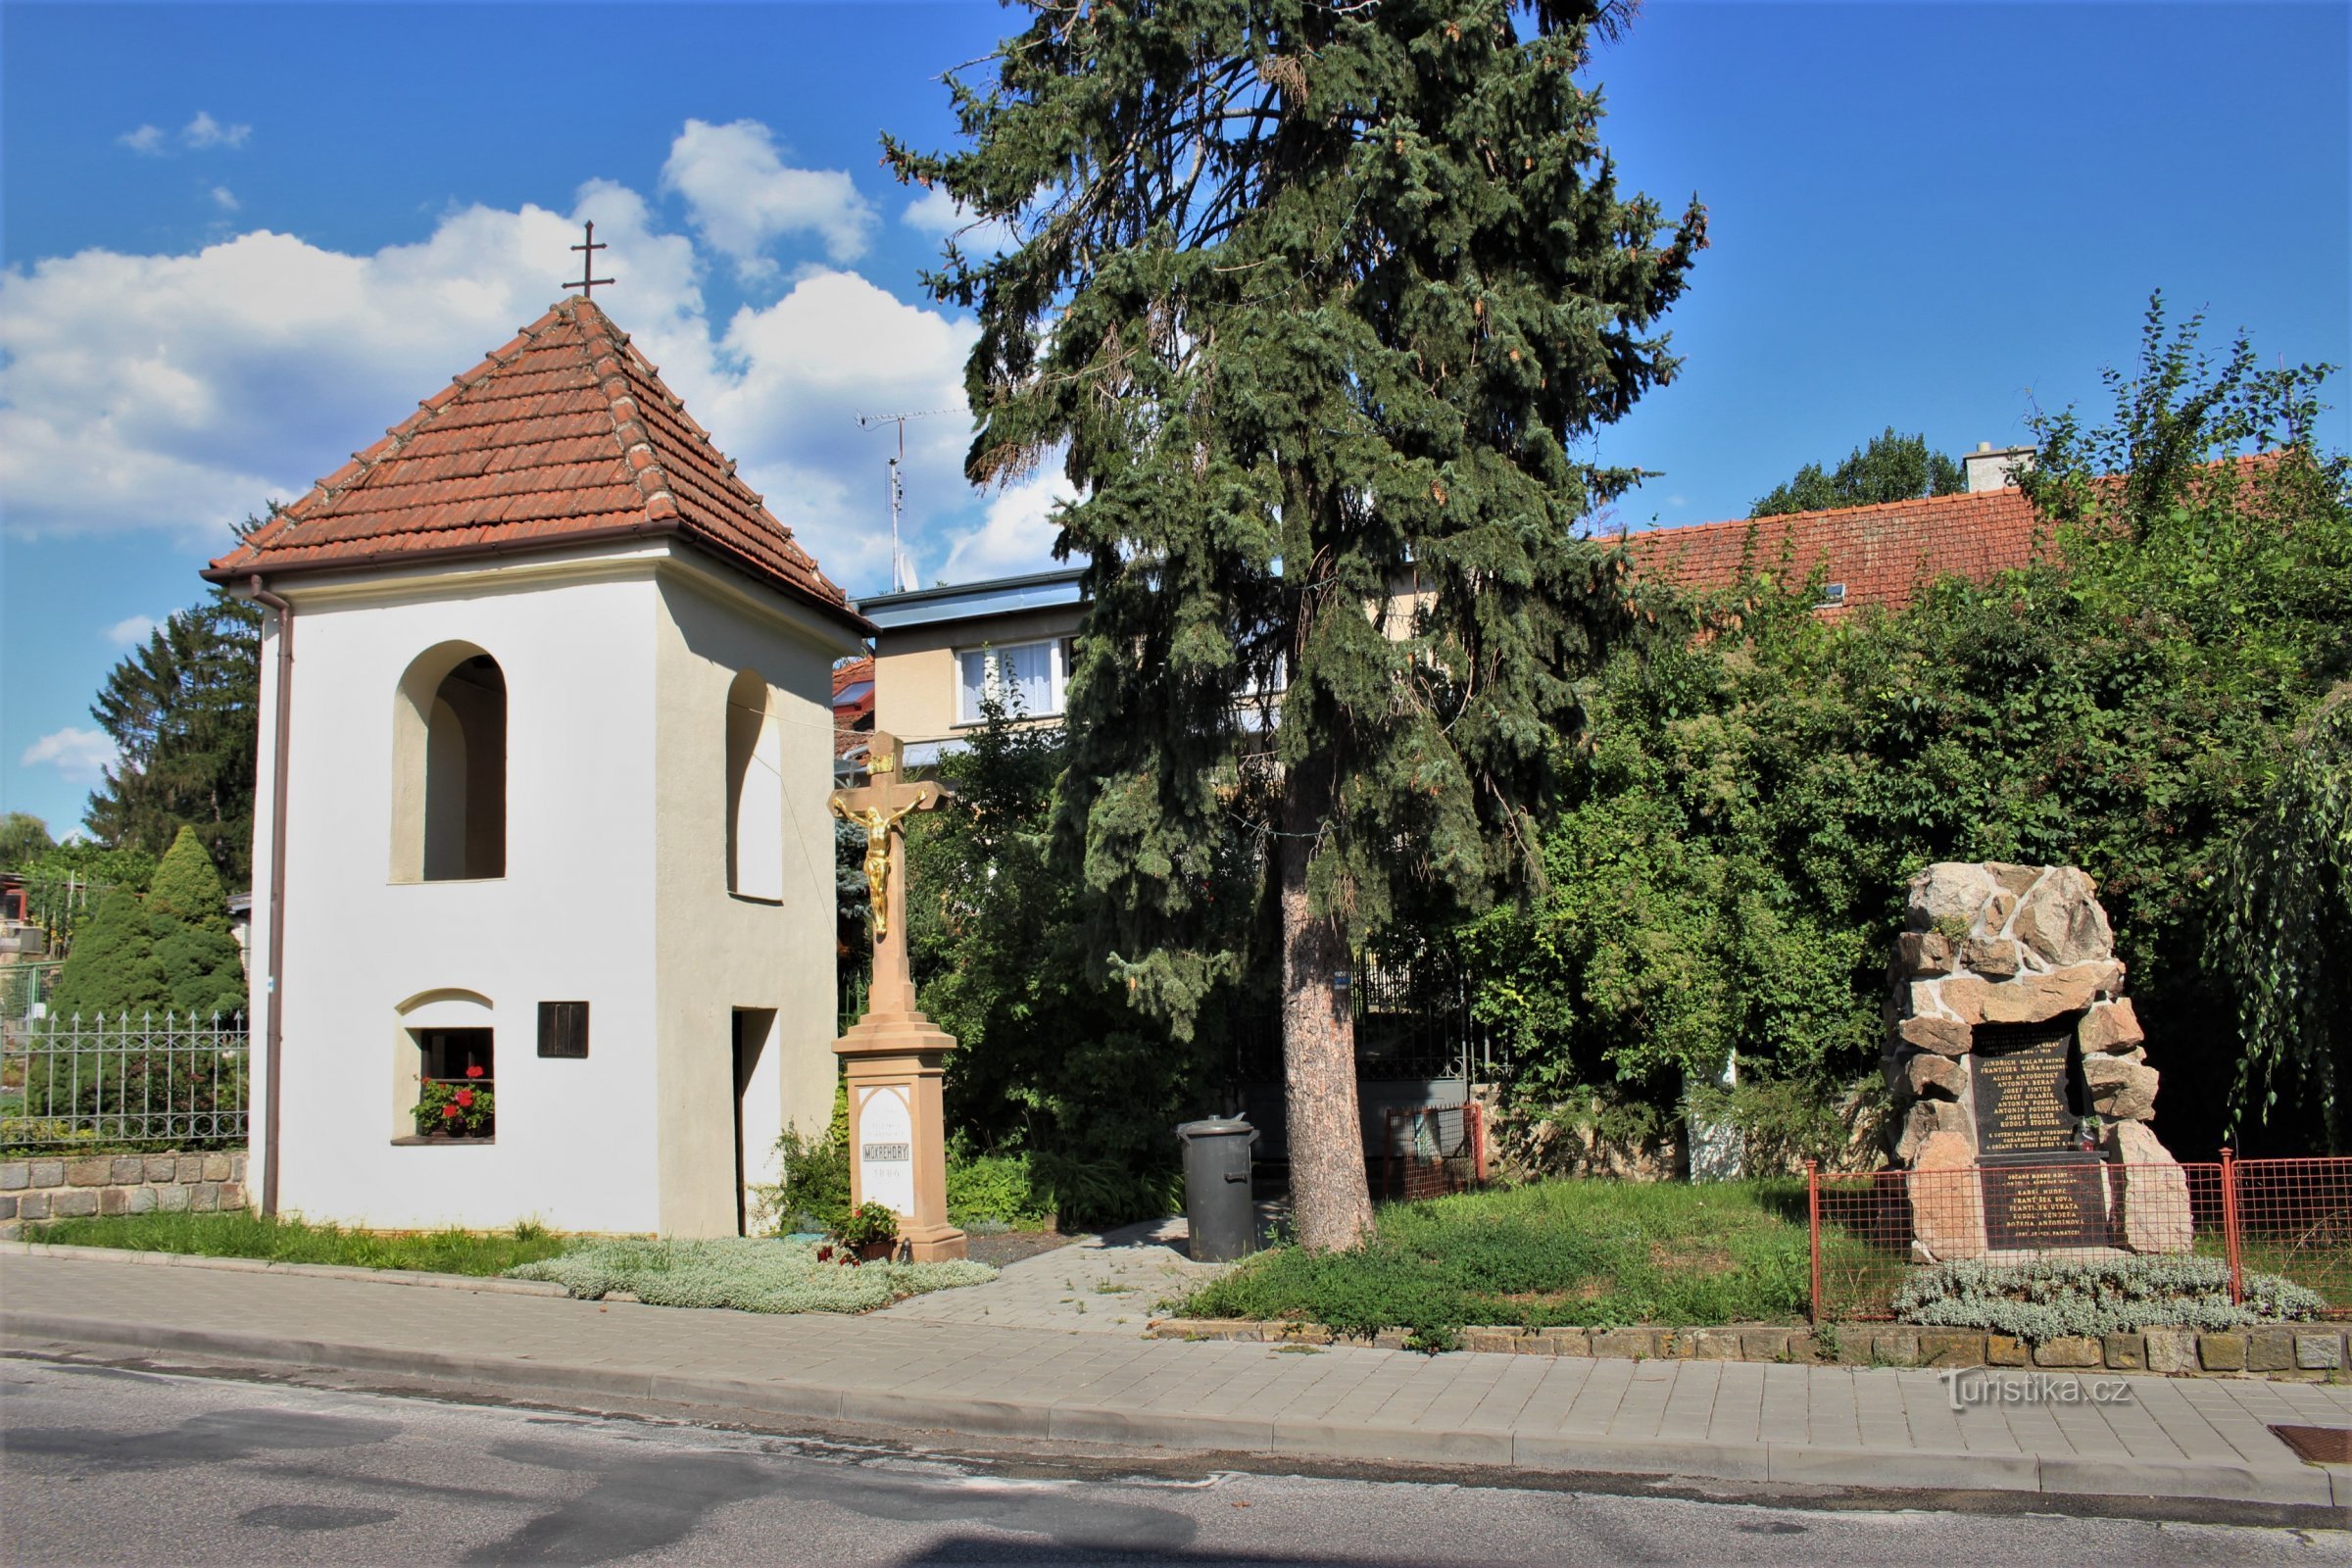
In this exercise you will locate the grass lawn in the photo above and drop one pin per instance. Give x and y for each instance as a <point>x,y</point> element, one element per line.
<point>292,1241</point>
<point>1593,1253</point>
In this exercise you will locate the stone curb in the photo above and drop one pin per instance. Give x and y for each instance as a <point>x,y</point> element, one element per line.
<point>2301,1486</point>
<point>2307,1353</point>
<point>260,1265</point>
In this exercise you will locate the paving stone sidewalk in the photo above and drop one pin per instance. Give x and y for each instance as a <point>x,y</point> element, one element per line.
<point>2201,1437</point>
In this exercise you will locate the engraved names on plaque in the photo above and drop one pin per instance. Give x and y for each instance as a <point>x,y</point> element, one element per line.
<point>2042,1190</point>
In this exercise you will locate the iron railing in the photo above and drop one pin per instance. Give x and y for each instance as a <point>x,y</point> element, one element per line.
<point>161,1081</point>
<point>2286,1218</point>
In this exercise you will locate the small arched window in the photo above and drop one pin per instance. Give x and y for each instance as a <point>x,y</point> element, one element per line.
<point>755,791</point>
<point>450,762</point>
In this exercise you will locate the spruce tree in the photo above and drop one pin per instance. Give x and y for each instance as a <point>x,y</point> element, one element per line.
<point>1313,302</point>
<point>113,969</point>
<point>184,711</point>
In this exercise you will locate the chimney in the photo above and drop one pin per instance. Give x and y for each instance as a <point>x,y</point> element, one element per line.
<point>1989,469</point>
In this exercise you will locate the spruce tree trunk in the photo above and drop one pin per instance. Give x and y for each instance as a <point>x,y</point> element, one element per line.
<point>1331,1202</point>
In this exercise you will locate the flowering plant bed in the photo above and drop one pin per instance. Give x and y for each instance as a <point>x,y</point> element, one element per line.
<point>457,1108</point>
<point>749,1274</point>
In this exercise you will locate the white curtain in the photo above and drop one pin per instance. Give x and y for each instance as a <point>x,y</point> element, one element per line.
<point>1025,675</point>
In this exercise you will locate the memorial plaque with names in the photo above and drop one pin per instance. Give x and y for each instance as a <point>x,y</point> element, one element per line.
<point>2020,1073</point>
<point>2046,1203</point>
<point>2044,1191</point>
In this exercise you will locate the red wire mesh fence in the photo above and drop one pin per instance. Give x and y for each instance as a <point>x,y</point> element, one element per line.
<point>1429,1150</point>
<point>2290,1218</point>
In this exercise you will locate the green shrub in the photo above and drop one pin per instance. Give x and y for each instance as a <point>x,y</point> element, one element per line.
<point>813,1187</point>
<point>2049,1299</point>
<point>747,1274</point>
<point>994,1189</point>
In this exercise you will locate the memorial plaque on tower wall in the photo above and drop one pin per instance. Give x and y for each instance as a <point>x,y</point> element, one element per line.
<point>2042,1190</point>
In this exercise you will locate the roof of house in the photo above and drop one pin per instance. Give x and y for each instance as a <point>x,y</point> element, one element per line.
<point>852,705</point>
<point>564,435</point>
<point>1879,553</point>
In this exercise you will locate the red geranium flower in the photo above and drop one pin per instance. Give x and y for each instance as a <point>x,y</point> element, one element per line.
<point>448,1111</point>
<point>466,1098</point>
<point>473,1072</point>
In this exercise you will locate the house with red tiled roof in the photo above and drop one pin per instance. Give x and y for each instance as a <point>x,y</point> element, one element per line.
<point>1875,555</point>
<point>545,892</point>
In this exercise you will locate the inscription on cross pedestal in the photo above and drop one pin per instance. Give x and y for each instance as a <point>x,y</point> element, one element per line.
<point>894,1056</point>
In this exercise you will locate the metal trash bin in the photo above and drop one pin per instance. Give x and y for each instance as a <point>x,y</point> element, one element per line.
<point>1216,1188</point>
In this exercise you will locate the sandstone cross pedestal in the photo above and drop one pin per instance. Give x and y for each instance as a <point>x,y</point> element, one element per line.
<point>894,1056</point>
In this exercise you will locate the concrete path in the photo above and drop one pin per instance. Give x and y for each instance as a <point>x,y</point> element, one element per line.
<point>2199,1437</point>
<point>1108,1284</point>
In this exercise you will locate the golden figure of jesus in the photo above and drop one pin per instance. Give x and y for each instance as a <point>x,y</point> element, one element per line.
<point>877,825</point>
<point>879,806</point>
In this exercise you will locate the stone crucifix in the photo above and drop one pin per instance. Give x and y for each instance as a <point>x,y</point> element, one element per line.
<point>894,1056</point>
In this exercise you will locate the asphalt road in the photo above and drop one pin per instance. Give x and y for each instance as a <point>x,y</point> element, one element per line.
<point>107,1465</point>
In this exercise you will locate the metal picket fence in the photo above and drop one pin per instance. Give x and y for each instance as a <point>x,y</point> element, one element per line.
<point>1429,1150</point>
<point>168,1082</point>
<point>2290,1218</point>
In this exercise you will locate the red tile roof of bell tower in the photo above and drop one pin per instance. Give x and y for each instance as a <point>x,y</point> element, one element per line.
<point>566,435</point>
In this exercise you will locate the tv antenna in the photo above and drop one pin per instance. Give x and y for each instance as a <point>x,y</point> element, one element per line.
<point>902,575</point>
<point>588,282</point>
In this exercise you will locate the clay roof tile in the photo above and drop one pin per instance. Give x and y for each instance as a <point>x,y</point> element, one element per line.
<point>563,431</point>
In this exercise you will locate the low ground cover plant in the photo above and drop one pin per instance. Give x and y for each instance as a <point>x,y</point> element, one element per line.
<point>2049,1299</point>
<point>1594,1253</point>
<point>295,1241</point>
<point>750,1274</point>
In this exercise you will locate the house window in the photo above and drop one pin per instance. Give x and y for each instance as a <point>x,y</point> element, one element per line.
<point>456,1082</point>
<point>755,791</point>
<point>1026,677</point>
<point>450,760</point>
<point>1831,593</point>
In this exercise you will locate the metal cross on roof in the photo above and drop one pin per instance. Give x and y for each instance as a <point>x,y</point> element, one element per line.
<point>588,282</point>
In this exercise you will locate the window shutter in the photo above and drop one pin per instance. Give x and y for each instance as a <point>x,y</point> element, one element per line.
<point>563,1029</point>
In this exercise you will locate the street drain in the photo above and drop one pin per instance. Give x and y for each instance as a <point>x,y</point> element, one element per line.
<point>2317,1445</point>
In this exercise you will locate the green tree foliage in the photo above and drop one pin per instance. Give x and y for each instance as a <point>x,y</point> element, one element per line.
<point>1892,467</point>
<point>1311,300</point>
<point>170,952</point>
<point>2283,926</point>
<point>1052,1063</point>
<point>186,887</point>
<point>1727,869</point>
<point>113,969</point>
<point>182,709</point>
<point>23,839</point>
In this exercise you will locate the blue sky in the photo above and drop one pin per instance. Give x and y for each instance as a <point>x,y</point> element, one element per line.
<point>241,240</point>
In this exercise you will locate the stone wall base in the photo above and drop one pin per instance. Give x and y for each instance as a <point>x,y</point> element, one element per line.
<point>2308,1351</point>
<point>62,1187</point>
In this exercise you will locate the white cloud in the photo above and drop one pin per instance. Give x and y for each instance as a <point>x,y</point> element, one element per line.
<point>206,132</point>
<point>1016,535</point>
<point>131,629</point>
<point>79,756</point>
<point>225,199</point>
<point>941,216</point>
<point>176,394</point>
<point>147,141</point>
<point>740,195</point>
